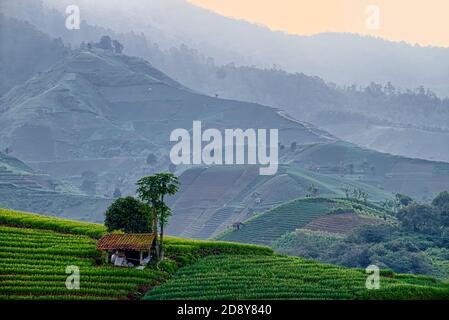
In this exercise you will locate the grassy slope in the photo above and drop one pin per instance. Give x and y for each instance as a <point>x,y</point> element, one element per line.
<point>35,251</point>
<point>280,277</point>
<point>203,210</point>
<point>270,225</point>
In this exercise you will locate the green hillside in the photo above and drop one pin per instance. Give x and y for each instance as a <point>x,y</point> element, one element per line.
<point>268,226</point>
<point>280,277</point>
<point>202,209</point>
<point>420,179</point>
<point>35,251</point>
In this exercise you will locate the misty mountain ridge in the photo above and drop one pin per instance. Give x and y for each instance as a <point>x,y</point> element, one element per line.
<point>95,117</point>
<point>105,112</point>
<point>408,118</point>
<point>353,58</point>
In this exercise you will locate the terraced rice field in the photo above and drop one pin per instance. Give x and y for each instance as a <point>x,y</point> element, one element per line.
<point>340,223</point>
<point>271,225</point>
<point>33,266</point>
<point>36,250</point>
<point>279,277</point>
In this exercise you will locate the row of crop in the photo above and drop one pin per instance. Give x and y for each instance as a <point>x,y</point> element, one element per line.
<point>46,291</point>
<point>9,241</point>
<point>33,264</point>
<point>81,252</point>
<point>90,271</point>
<point>56,237</point>
<point>59,277</point>
<point>45,262</point>
<point>99,284</point>
<point>40,245</point>
<point>41,256</point>
<point>27,220</point>
<point>250,286</point>
<point>248,277</point>
<point>17,232</point>
<point>54,296</point>
<point>261,293</point>
<point>282,219</point>
<point>177,245</point>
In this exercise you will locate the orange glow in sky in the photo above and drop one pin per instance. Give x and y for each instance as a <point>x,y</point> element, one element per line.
<point>425,22</point>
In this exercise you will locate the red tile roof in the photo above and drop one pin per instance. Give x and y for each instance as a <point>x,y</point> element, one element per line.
<point>127,241</point>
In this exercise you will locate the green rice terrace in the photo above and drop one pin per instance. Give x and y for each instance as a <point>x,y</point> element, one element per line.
<point>316,213</point>
<point>35,251</point>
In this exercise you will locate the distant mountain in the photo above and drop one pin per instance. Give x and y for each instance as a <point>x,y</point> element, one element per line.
<point>104,112</point>
<point>23,188</point>
<point>353,58</point>
<point>95,118</point>
<point>21,57</point>
<point>362,115</point>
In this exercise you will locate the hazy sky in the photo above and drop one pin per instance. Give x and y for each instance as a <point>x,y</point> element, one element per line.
<point>416,21</point>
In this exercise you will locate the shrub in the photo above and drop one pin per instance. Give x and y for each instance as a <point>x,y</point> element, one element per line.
<point>129,215</point>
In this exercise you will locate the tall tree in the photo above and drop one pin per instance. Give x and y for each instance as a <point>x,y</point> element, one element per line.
<point>153,190</point>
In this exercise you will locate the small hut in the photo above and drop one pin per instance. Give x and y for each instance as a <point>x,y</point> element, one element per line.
<point>127,249</point>
<point>237,226</point>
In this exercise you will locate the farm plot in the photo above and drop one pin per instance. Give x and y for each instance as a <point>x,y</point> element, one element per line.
<point>271,225</point>
<point>279,277</point>
<point>35,251</point>
<point>340,223</point>
<point>33,266</point>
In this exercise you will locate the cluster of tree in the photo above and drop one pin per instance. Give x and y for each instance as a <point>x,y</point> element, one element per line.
<point>381,245</point>
<point>312,191</point>
<point>105,43</point>
<point>271,86</point>
<point>356,194</point>
<point>402,247</point>
<point>424,218</point>
<point>148,213</point>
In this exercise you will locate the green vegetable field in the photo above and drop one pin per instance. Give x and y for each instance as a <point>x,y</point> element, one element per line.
<point>281,277</point>
<point>36,250</point>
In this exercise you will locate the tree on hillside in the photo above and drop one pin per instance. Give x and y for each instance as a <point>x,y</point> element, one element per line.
<point>128,215</point>
<point>312,191</point>
<point>420,218</point>
<point>441,202</point>
<point>403,200</point>
<point>105,43</point>
<point>153,190</point>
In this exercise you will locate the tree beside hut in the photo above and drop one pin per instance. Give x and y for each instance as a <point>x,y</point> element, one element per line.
<point>127,249</point>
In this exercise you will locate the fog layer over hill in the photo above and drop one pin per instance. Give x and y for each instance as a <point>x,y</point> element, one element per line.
<point>342,58</point>
<point>391,116</point>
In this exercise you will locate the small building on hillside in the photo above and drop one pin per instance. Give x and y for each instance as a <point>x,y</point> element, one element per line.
<point>237,226</point>
<point>128,249</point>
